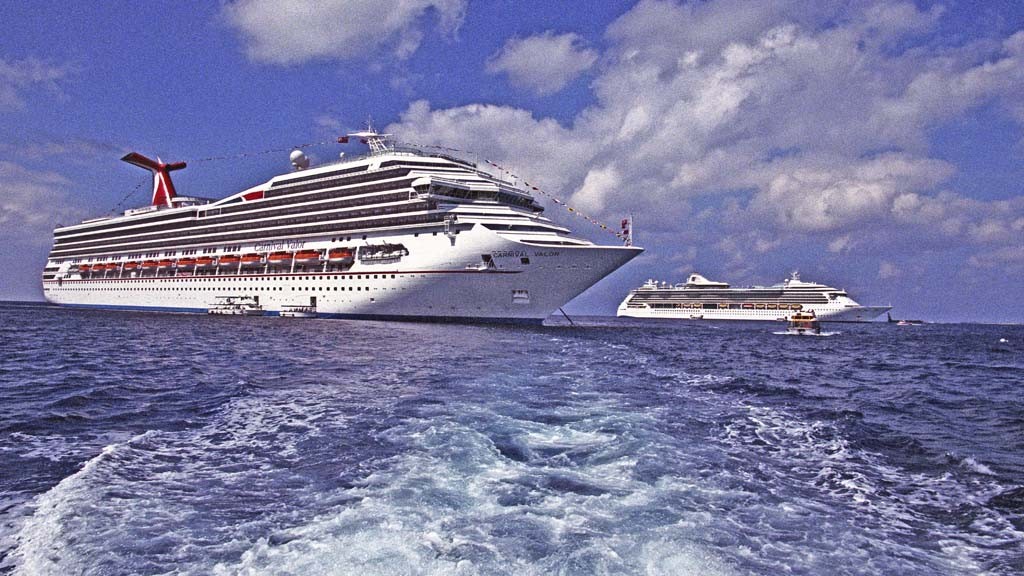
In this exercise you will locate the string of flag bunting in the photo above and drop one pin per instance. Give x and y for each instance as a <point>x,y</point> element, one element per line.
<point>268,151</point>
<point>126,197</point>
<point>625,234</point>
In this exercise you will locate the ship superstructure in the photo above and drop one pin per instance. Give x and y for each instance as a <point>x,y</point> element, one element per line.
<point>397,233</point>
<point>702,299</point>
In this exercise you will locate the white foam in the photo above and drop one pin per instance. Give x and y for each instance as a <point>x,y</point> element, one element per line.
<point>440,508</point>
<point>41,540</point>
<point>973,465</point>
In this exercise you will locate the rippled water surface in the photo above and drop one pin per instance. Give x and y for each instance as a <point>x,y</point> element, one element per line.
<point>138,443</point>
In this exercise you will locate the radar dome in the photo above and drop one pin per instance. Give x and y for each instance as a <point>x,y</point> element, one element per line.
<point>299,160</point>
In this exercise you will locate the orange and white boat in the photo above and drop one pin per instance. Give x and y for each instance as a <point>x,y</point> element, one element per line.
<point>307,256</point>
<point>340,255</point>
<point>280,257</point>
<point>252,259</point>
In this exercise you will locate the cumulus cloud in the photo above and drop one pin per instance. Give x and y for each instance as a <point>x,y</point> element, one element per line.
<point>18,76</point>
<point>795,122</point>
<point>288,33</point>
<point>545,63</point>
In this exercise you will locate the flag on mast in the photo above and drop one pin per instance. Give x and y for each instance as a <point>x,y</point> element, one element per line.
<point>627,230</point>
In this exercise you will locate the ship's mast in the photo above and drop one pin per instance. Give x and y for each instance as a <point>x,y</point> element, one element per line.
<point>378,143</point>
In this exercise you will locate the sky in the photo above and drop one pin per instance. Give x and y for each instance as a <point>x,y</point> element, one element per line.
<point>876,146</point>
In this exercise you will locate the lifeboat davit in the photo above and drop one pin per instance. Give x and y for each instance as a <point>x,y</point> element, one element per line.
<point>307,256</point>
<point>252,259</point>
<point>340,255</point>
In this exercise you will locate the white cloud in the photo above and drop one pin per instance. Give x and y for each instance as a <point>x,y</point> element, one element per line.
<point>598,183</point>
<point>545,63</point>
<point>887,270</point>
<point>71,149</point>
<point>295,32</point>
<point>32,202</point>
<point>1008,259</point>
<point>18,76</point>
<point>794,122</point>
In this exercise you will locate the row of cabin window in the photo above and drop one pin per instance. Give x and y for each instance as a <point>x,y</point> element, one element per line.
<point>306,230</point>
<point>202,226</point>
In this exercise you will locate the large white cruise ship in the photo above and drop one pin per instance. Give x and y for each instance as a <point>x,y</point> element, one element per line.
<point>395,234</point>
<point>702,299</point>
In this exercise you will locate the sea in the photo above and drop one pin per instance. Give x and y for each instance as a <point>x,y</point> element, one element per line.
<point>148,443</point>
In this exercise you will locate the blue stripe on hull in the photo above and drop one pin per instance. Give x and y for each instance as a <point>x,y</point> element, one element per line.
<point>436,319</point>
<point>386,317</point>
<point>136,308</point>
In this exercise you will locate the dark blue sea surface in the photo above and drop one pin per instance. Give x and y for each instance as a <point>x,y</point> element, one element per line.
<point>135,443</point>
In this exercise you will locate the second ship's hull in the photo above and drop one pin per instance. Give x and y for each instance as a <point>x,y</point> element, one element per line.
<point>824,313</point>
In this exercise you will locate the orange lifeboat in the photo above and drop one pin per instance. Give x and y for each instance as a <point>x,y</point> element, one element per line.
<point>204,261</point>
<point>307,256</point>
<point>131,265</point>
<point>165,263</point>
<point>340,255</point>
<point>84,268</point>
<point>252,259</point>
<point>149,264</point>
<point>186,263</point>
<point>111,266</point>
<point>279,257</point>
<point>229,260</point>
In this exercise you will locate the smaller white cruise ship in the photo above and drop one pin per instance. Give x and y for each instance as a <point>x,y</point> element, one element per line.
<point>703,299</point>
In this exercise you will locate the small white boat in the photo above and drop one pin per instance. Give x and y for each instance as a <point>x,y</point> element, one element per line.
<point>298,311</point>
<point>802,323</point>
<point>236,306</point>
<point>805,324</point>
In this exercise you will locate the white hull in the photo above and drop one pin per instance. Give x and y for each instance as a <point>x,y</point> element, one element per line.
<point>824,312</point>
<point>442,278</point>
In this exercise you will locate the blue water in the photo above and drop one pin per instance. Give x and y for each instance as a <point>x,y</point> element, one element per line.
<point>135,443</point>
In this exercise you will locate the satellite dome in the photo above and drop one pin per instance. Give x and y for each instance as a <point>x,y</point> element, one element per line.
<point>299,160</point>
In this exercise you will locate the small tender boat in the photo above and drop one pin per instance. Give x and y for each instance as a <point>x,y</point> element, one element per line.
<point>804,323</point>
<point>298,311</point>
<point>236,306</point>
<point>903,322</point>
